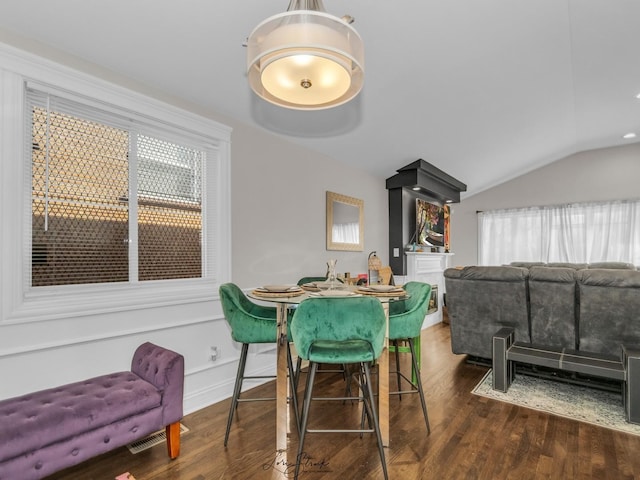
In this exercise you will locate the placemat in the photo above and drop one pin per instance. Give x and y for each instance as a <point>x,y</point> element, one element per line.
<point>393,293</point>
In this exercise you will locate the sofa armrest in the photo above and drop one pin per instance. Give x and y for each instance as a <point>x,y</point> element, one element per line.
<point>491,273</point>
<point>164,369</point>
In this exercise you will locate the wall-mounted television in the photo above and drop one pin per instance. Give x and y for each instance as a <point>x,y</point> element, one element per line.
<point>432,224</point>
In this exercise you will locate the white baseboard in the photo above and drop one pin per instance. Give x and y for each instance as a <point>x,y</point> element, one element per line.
<point>198,399</point>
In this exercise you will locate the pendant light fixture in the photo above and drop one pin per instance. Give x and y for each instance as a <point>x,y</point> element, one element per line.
<point>305,58</point>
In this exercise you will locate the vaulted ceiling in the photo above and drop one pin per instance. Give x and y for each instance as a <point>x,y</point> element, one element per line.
<point>484,90</point>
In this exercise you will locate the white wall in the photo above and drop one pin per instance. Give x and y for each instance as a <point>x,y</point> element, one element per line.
<point>603,174</point>
<point>277,234</point>
<point>279,210</point>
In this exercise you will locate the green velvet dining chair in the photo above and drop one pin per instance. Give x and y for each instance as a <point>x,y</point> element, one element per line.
<point>298,370</point>
<point>405,325</point>
<point>347,330</point>
<point>250,323</point>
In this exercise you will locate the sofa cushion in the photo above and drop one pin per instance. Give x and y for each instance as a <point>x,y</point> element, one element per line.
<point>609,309</point>
<point>480,301</point>
<point>619,278</point>
<point>552,296</point>
<point>527,264</point>
<point>553,274</point>
<point>42,418</point>
<point>613,265</point>
<point>575,266</point>
<point>497,274</point>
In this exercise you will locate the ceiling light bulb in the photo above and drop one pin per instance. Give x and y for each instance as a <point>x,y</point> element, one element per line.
<point>305,79</point>
<point>629,135</point>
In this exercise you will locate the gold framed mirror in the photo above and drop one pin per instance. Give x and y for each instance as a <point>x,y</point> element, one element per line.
<point>345,223</point>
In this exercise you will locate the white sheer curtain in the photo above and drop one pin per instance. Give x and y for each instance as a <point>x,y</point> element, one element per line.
<point>579,233</point>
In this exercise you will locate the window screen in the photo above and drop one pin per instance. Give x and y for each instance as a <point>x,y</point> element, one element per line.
<point>86,227</point>
<point>169,210</point>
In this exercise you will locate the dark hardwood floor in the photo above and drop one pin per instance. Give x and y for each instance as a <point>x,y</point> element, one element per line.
<point>471,438</point>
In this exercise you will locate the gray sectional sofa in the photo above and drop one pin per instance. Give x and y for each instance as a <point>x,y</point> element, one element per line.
<point>591,308</point>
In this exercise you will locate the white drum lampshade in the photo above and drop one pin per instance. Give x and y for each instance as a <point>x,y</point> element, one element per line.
<point>305,59</point>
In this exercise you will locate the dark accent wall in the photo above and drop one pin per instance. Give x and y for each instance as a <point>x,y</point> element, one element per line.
<point>422,180</point>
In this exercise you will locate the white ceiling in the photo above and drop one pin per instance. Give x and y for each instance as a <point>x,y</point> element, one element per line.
<point>485,90</point>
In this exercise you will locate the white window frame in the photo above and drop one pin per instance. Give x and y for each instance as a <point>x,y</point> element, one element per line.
<point>21,303</point>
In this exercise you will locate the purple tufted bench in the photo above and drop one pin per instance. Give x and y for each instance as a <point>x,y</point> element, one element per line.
<point>46,431</point>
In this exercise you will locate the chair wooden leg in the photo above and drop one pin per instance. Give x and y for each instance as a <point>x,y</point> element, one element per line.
<point>416,367</point>
<point>173,440</point>
<point>236,389</point>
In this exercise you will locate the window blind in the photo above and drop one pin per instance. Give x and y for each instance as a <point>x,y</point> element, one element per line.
<point>109,201</point>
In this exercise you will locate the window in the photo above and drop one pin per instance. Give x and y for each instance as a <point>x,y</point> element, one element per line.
<point>85,227</point>
<point>577,233</point>
<point>112,201</point>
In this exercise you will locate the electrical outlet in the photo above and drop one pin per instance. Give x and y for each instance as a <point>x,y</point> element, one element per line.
<point>396,252</point>
<point>214,354</point>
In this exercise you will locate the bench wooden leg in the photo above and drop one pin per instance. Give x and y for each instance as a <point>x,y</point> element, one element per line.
<point>173,440</point>
<point>503,369</point>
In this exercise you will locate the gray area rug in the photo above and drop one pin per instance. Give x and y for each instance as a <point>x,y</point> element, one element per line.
<point>584,404</point>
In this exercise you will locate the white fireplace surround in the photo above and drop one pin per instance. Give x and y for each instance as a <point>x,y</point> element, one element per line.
<point>429,268</point>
